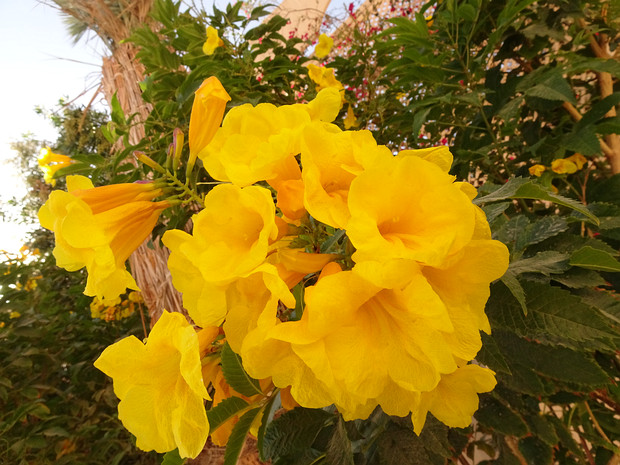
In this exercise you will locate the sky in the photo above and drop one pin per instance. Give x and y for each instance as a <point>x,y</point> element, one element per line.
<point>40,65</point>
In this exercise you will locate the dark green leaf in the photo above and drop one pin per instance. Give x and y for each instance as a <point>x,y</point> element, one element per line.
<point>514,286</point>
<point>594,259</point>
<point>496,415</point>
<point>225,410</point>
<point>238,435</point>
<point>491,356</point>
<point>553,87</point>
<point>294,431</point>
<point>543,262</point>
<point>554,316</point>
<point>339,451</point>
<point>535,451</point>
<point>235,374</point>
<point>401,447</point>
<point>172,458</point>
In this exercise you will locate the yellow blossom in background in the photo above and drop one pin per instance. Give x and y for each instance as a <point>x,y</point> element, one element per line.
<point>213,41</point>
<point>51,162</point>
<point>13,315</point>
<point>324,46</point>
<point>563,166</point>
<point>350,120</point>
<point>2,324</point>
<point>160,387</point>
<point>324,78</point>
<point>98,228</point>
<point>537,170</point>
<point>578,159</point>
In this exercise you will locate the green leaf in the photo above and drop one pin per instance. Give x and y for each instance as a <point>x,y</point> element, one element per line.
<point>294,431</point>
<point>339,450</point>
<point>268,412</point>
<point>514,286</point>
<point>172,458</point>
<point>401,447</point>
<point>542,428</point>
<point>238,435</point>
<point>554,316</point>
<point>225,410</point>
<point>598,110</point>
<point>434,436</point>
<point>235,374</point>
<point>524,188</point>
<point>546,263</point>
<point>535,451</point>
<point>118,116</point>
<point>491,356</point>
<point>496,415</point>
<point>594,259</point>
<point>558,363</point>
<point>553,87</point>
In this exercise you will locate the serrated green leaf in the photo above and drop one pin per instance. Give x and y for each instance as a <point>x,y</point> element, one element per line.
<point>554,316</point>
<point>172,458</point>
<point>496,415</point>
<point>224,411</point>
<point>552,86</point>
<point>235,374</point>
<point>541,230</point>
<point>492,211</point>
<point>558,363</point>
<point>577,278</point>
<point>401,447</point>
<point>514,286</point>
<point>491,356</point>
<point>541,427</point>
<point>543,262</point>
<point>434,436</point>
<point>594,259</point>
<point>339,450</point>
<point>238,435</point>
<point>294,431</point>
<point>535,451</point>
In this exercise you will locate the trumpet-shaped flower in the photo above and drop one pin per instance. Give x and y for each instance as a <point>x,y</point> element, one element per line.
<point>160,387</point>
<point>99,227</point>
<point>206,117</point>
<point>578,159</point>
<point>213,41</point>
<point>255,143</point>
<point>407,207</point>
<point>332,159</point>
<point>51,162</point>
<point>324,46</point>
<point>230,240</point>
<point>325,78</point>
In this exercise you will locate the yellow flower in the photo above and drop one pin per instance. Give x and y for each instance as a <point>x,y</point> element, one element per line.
<point>563,166</point>
<point>230,241</point>
<point>213,41</point>
<point>455,399</point>
<point>324,46</point>
<point>255,143</point>
<point>331,159</point>
<point>206,117</point>
<point>51,162</point>
<point>324,78</point>
<point>407,207</point>
<point>578,160</point>
<point>2,324</point>
<point>98,228</point>
<point>537,170</point>
<point>14,315</point>
<point>160,387</point>
<point>350,121</point>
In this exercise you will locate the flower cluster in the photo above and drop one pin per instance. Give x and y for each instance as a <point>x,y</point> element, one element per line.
<point>116,309</point>
<point>51,162</point>
<point>340,273</point>
<point>568,165</point>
